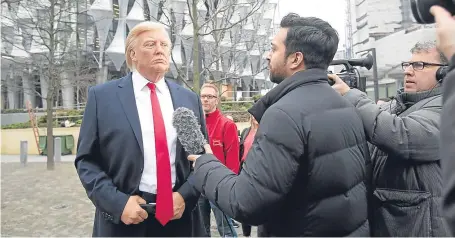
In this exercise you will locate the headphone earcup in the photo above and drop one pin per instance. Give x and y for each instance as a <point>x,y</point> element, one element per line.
<point>441,73</point>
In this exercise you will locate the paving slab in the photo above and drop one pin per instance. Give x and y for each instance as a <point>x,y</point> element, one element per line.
<point>39,202</point>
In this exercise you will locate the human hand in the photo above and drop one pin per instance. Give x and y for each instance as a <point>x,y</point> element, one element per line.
<point>133,212</point>
<point>340,86</point>
<point>179,205</point>
<point>445,30</point>
<point>193,158</point>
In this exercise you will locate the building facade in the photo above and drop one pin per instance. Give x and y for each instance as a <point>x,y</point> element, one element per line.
<point>68,47</point>
<point>387,26</point>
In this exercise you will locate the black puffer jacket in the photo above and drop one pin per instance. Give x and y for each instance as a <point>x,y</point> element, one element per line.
<point>307,170</point>
<point>447,141</point>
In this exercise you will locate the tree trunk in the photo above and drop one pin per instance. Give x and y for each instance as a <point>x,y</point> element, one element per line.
<point>50,135</point>
<point>196,73</point>
<point>51,90</point>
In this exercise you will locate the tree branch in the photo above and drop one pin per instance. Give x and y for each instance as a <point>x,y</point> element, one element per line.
<point>255,9</point>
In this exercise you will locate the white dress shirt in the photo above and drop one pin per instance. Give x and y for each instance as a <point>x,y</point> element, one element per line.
<point>144,108</point>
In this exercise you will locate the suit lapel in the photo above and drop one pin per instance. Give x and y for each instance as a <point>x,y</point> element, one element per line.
<point>174,89</point>
<point>127,99</point>
<point>180,154</point>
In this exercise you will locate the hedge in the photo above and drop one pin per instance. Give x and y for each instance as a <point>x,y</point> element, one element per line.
<point>74,116</point>
<point>238,110</point>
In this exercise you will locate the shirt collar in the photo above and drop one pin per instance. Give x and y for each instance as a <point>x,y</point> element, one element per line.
<point>214,114</point>
<point>139,82</point>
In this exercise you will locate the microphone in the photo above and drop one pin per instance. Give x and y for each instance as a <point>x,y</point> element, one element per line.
<point>188,131</point>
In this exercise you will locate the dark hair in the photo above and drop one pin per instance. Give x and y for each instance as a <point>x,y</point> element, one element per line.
<point>315,38</point>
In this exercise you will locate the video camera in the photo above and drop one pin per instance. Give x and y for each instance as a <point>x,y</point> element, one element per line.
<point>421,9</point>
<point>351,75</point>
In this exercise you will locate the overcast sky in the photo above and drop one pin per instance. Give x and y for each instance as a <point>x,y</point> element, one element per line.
<point>332,11</point>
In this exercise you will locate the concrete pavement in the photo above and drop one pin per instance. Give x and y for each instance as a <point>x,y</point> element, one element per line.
<point>39,202</point>
<point>33,158</point>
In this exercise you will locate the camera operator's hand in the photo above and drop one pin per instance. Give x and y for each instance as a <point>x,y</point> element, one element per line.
<point>340,86</point>
<point>445,27</point>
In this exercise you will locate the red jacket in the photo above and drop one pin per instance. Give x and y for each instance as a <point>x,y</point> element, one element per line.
<point>223,139</point>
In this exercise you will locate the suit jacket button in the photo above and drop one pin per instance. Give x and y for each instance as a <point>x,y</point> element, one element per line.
<point>142,169</point>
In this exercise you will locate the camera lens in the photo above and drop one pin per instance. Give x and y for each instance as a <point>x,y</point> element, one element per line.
<point>421,9</point>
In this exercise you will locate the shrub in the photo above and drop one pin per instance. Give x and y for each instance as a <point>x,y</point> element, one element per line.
<point>21,125</point>
<point>74,116</point>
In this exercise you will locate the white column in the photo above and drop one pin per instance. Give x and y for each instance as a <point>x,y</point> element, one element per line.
<point>12,90</point>
<point>44,88</point>
<point>67,92</point>
<point>29,89</point>
<point>4,99</point>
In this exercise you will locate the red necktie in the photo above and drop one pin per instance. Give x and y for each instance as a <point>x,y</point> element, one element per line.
<point>164,201</point>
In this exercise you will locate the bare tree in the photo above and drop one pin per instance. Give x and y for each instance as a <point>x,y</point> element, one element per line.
<point>41,38</point>
<point>211,38</point>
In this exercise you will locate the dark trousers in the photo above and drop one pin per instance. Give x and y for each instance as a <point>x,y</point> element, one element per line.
<point>148,228</point>
<point>174,228</point>
<point>246,229</point>
<point>262,232</point>
<point>224,223</point>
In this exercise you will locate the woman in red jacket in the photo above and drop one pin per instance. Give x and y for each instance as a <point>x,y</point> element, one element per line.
<point>246,140</point>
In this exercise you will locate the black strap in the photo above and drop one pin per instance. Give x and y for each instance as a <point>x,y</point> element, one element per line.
<point>148,197</point>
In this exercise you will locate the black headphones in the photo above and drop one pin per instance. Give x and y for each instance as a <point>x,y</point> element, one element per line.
<point>441,73</point>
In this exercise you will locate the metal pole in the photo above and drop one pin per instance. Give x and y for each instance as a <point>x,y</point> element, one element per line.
<point>375,75</point>
<point>235,90</point>
<point>23,152</point>
<point>57,149</point>
<point>375,72</point>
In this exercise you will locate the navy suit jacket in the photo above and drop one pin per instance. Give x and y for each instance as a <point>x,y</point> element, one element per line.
<point>110,154</point>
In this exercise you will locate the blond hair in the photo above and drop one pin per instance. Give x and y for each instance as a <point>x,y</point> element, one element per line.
<point>213,86</point>
<point>140,28</point>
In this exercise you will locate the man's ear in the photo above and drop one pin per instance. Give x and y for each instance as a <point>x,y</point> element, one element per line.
<point>133,55</point>
<point>296,60</point>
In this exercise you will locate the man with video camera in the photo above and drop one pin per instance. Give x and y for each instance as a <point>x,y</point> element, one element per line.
<point>404,135</point>
<point>307,171</point>
<point>445,24</point>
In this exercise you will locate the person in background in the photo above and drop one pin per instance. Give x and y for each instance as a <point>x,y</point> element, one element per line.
<point>246,141</point>
<point>247,138</point>
<point>445,25</point>
<point>307,172</point>
<point>234,223</point>
<point>225,145</point>
<point>404,134</point>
